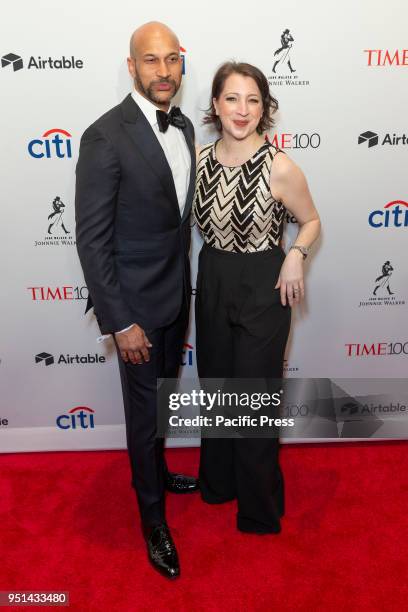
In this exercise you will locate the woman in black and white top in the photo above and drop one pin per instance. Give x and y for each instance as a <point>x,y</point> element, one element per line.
<point>246,285</point>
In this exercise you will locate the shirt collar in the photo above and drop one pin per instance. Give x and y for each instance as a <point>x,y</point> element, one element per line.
<point>148,108</point>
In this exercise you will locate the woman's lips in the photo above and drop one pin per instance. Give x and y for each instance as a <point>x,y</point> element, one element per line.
<point>240,123</point>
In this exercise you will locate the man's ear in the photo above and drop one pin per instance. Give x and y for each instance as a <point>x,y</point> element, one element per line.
<point>131,67</point>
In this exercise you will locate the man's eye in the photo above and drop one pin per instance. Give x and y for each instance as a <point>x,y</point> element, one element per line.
<point>174,59</point>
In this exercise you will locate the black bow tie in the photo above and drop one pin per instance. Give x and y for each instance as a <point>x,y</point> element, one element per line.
<point>174,117</point>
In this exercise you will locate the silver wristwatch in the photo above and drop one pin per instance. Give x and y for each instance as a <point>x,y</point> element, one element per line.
<point>304,250</point>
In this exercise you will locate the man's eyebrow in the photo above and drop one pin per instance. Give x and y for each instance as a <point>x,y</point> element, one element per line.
<point>150,54</point>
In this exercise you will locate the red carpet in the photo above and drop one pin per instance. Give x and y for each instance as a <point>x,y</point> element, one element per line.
<point>68,521</point>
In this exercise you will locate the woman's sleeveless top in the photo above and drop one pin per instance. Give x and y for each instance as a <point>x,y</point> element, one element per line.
<point>233,206</point>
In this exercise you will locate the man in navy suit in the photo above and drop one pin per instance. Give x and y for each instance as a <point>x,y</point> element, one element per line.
<point>134,191</point>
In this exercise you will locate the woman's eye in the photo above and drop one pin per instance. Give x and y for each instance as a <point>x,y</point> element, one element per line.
<point>254,101</point>
<point>230,99</point>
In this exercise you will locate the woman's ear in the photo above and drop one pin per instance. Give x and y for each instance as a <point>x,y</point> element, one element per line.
<point>215,104</point>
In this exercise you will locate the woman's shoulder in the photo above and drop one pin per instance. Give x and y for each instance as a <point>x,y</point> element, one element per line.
<point>283,168</point>
<point>273,149</point>
<point>203,150</point>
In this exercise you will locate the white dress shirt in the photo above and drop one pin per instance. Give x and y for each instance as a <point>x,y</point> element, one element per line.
<point>174,146</point>
<point>177,154</point>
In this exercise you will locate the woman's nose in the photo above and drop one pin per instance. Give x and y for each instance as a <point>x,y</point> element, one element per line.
<point>243,108</point>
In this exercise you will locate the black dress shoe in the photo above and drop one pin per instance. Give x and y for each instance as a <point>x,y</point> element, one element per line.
<point>162,551</point>
<point>178,483</point>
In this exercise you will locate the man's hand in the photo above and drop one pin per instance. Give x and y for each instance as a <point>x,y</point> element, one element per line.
<point>134,345</point>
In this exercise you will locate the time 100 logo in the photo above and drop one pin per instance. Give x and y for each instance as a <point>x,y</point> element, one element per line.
<point>296,141</point>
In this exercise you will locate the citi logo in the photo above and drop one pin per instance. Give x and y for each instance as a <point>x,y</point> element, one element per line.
<point>67,359</point>
<point>39,63</point>
<point>395,214</point>
<point>80,417</point>
<point>11,59</point>
<point>51,147</point>
<point>372,139</point>
<point>183,59</point>
<point>384,57</point>
<point>187,355</point>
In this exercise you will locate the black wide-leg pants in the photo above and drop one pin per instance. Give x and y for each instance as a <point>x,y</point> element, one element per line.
<point>242,330</point>
<point>139,387</point>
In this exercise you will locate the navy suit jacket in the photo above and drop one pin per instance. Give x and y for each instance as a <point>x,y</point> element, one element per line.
<point>132,242</point>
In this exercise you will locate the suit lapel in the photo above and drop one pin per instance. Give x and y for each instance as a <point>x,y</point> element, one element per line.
<point>191,185</point>
<point>142,134</point>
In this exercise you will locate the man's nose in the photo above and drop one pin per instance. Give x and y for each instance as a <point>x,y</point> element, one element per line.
<point>163,70</point>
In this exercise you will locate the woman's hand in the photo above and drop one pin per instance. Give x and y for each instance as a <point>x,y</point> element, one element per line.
<point>289,186</point>
<point>290,281</point>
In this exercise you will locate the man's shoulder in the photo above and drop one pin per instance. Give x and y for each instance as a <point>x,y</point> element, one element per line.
<point>112,115</point>
<point>107,123</point>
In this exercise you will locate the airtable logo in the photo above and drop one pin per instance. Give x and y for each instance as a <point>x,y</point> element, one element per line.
<point>11,59</point>
<point>40,63</point>
<point>372,139</point>
<point>44,358</point>
<point>352,408</point>
<point>67,359</point>
<point>55,147</point>
<point>392,215</point>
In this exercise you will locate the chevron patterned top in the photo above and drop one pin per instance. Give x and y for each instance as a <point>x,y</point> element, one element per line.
<point>233,206</point>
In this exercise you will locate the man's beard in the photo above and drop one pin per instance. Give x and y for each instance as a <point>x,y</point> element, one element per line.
<point>149,91</point>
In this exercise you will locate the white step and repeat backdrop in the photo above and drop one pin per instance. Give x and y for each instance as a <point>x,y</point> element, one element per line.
<point>342,90</point>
